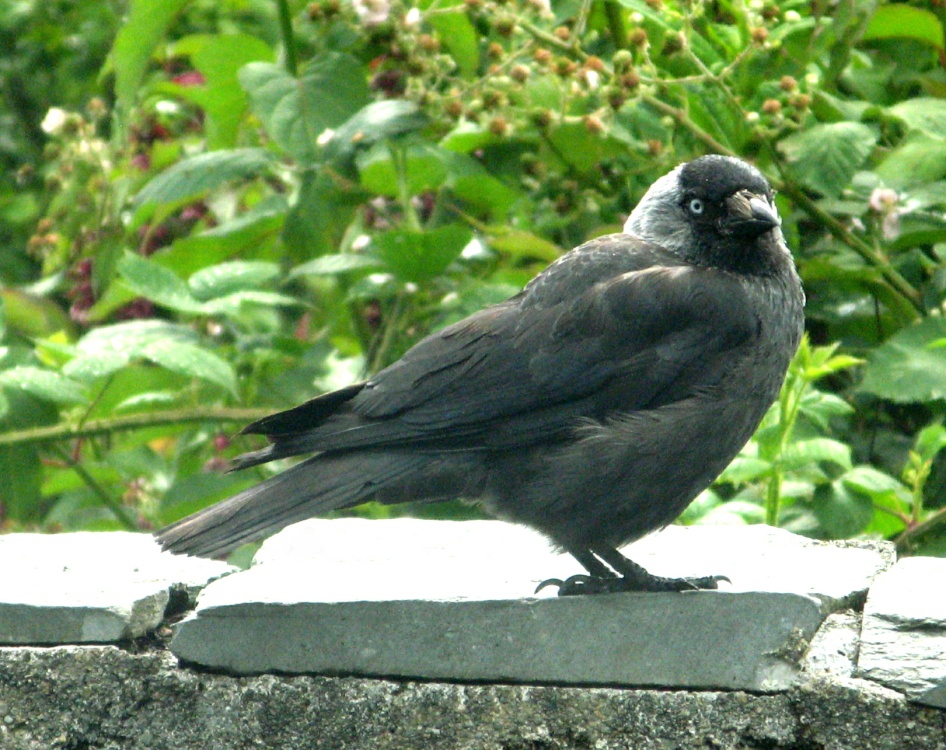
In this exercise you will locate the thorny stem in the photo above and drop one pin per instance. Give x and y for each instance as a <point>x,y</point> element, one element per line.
<point>288,38</point>
<point>108,501</point>
<point>683,119</point>
<point>893,277</point>
<point>912,532</point>
<point>98,427</point>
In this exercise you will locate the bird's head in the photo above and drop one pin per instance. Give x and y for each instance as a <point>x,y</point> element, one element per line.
<point>713,211</point>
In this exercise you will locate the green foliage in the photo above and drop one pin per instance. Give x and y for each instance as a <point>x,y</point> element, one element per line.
<point>244,204</point>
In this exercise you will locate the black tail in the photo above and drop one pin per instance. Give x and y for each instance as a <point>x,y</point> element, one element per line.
<point>316,486</point>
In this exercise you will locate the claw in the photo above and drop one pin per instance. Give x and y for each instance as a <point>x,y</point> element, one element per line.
<point>576,584</point>
<point>549,582</point>
<point>585,584</point>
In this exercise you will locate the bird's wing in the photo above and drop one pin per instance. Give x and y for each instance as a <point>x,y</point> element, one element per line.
<point>514,375</point>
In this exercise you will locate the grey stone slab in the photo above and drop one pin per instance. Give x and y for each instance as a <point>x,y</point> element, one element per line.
<point>444,600</point>
<point>89,587</point>
<point>727,640</point>
<point>903,638</point>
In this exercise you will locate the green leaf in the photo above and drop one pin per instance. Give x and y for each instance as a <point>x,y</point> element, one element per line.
<point>519,243</point>
<point>470,181</point>
<point>320,217</point>
<point>926,114</point>
<point>423,163</point>
<point>816,450</point>
<point>21,469</point>
<point>231,304</point>
<point>234,276</point>
<point>160,285</point>
<point>460,39</point>
<point>714,114</point>
<point>919,229</point>
<point>745,469</point>
<point>871,481</point>
<point>899,20</point>
<point>581,148</point>
<point>219,58</point>
<point>105,350</point>
<point>136,381</point>
<point>296,111</point>
<point>329,265</point>
<point>252,233</point>
<point>45,384</point>
<point>930,441</point>
<point>192,178</point>
<point>417,256</point>
<point>820,407</point>
<point>466,137</point>
<point>917,160</point>
<point>373,123</point>
<point>147,23</point>
<point>32,315</point>
<point>825,157</point>
<point>192,360</point>
<point>841,513</point>
<point>906,368</point>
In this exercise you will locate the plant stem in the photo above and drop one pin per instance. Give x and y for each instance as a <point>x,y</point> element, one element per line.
<point>684,120</point>
<point>399,157</point>
<point>97,427</point>
<point>616,23</point>
<point>288,38</point>
<point>789,404</point>
<point>907,536</point>
<point>123,516</point>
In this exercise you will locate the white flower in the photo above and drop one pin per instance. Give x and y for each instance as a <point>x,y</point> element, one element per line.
<point>54,121</point>
<point>884,202</point>
<point>372,12</point>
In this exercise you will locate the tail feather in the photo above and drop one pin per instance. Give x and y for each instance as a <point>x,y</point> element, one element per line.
<point>316,486</point>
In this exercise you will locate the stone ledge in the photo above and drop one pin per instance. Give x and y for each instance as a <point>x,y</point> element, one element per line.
<point>104,698</point>
<point>451,601</point>
<point>91,587</point>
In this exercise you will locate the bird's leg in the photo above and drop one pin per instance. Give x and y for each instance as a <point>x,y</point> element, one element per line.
<point>629,576</point>
<point>635,578</point>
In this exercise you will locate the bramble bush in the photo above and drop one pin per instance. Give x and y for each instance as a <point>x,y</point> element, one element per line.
<point>229,207</point>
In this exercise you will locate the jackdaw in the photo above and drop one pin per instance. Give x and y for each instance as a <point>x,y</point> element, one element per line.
<point>593,406</point>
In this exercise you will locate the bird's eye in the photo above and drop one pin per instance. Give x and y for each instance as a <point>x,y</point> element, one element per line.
<point>696,206</point>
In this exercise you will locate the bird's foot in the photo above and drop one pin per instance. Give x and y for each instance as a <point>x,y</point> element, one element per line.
<point>640,581</point>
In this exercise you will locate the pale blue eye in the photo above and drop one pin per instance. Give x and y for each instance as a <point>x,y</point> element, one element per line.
<point>696,206</point>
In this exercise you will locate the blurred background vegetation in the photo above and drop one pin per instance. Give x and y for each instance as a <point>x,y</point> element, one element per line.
<point>211,210</point>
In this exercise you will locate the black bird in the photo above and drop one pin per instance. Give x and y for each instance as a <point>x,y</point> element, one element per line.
<point>593,406</point>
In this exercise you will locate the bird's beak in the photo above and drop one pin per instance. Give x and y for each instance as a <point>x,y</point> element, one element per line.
<point>750,214</point>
